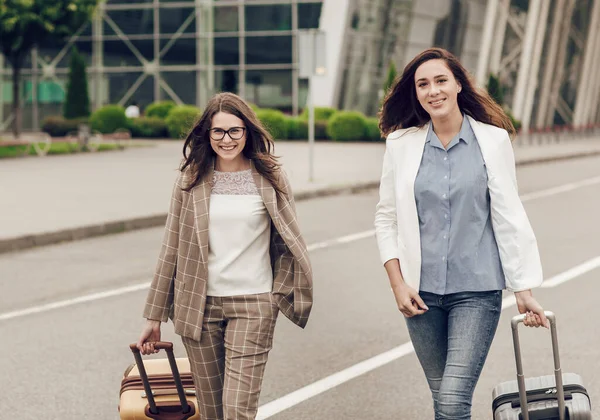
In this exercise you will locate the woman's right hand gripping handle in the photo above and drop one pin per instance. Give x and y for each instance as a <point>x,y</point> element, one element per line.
<point>407,298</point>
<point>150,335</point>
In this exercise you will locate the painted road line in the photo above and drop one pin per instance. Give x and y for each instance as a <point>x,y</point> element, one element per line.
<point>338,378</point>
<point>313,247</point>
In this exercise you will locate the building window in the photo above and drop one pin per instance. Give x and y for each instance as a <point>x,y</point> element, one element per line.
<point>270,88</point>
<point>273,17</point>
<point>226,19</point>
<point>172,19</point>
<point>227,51</point>
<point>269,50</point>
<point>131,22</point>
<point>226,80</point>
<point>309,15</point>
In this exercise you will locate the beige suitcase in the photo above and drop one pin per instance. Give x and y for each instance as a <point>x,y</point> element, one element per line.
<point>160,389</point>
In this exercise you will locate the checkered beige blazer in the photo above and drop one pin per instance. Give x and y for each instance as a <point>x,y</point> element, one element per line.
<point>178,290</point>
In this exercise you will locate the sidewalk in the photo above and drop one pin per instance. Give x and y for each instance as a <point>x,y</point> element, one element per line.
<point>60,198</point>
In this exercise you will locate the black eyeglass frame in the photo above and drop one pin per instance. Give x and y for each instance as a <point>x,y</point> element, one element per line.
<point>211,132</point>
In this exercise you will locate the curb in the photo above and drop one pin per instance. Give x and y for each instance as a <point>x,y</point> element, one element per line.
<point>21,243</point>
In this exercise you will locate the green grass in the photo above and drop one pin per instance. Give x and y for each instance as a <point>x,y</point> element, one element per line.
<point>55,149</point>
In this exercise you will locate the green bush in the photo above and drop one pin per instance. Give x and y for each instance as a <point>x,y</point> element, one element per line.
<point>321,113</point>
<point>516,123</point>
<point>274,121</point>
<point>148,127</point>
<point>181,119</point>
<point>77,100</point>
<point>321,130</point>
<point>57,126</point>
<point>373,133</point>
<point>109,118</point>
<point>297,128</point>
<point>159,109</point>
<point>347,125</point>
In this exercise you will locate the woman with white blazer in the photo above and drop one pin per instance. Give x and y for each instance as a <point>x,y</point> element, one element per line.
<point>451,229</point>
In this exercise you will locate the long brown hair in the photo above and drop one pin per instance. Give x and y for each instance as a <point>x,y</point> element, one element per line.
<point>258,148</point>
<point>401,108</point>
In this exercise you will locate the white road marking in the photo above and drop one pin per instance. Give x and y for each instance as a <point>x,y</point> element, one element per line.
<point>69,302</point>
<point>287,401</point>
<point>313,247</point>
<point>560,189</point>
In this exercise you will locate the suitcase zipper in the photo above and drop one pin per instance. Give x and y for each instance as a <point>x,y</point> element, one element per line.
<point>540,394</point>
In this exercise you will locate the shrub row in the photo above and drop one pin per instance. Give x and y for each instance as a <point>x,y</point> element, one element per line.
<point>166,119</point>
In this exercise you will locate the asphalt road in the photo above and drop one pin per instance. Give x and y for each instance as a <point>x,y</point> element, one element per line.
<point>67,362</point>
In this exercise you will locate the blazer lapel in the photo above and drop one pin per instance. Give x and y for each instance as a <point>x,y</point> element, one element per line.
<point>280,221</point>
<point>201,196</point>
<point>482,134</point>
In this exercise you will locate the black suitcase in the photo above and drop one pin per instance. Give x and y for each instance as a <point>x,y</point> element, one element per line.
<point>559,396</point>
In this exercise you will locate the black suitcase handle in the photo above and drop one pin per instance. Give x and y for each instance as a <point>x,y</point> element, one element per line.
<point>152,410</point>
<point>560,393</point>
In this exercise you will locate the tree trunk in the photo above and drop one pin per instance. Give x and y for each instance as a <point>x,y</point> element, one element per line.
<point>16,72</point>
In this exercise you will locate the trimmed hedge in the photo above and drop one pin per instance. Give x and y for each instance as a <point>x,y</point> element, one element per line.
<point>347,126</point>
<point>274,121</point>
<point>297,128</point>
<point>373,133</point>
<point>159,109</point>
<point>57,126</point>
<point>149,127</point>
<point>181,119</point>
<point>322,113</point>
<point>109,118</point>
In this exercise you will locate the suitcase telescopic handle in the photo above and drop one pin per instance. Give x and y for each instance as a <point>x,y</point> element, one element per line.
<point>168,347</point>
<point>557,369</point>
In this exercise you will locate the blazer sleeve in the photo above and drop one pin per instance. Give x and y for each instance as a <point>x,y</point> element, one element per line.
<point>386,224</point>
<point>516,240</point>
<point>160,295</point>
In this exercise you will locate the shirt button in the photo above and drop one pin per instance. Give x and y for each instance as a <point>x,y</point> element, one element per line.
<point>445,236</point>
<point>444,196</point>
<point>443,258</point>
<point>445,176</point>
<point>445,157</point>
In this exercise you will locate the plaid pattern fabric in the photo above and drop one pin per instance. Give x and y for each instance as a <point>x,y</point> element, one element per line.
<point>228,363</point>
<point>178,290</point>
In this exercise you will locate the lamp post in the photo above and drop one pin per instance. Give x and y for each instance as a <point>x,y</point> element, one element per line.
<point>311,62</point>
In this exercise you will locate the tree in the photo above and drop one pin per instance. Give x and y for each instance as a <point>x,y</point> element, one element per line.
<point>25,24</point>
<point>495,89</point>
<point>391,77</point>
<point>77,101</point>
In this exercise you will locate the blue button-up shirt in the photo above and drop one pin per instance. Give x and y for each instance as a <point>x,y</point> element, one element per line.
<point>458,248</point>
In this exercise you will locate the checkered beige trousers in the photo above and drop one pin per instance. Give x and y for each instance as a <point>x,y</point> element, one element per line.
<point>229,361</point>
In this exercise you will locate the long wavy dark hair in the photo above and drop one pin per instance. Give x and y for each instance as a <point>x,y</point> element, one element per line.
<point>199,155</point>
<point>401,108</point>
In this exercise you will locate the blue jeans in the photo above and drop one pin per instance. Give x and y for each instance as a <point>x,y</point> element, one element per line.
<point>452,340</point>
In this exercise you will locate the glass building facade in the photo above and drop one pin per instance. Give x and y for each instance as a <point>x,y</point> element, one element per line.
<point>186,50</point>
<point>180,50</point>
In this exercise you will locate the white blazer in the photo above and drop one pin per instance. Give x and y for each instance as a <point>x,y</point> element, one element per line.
<point>397,222</point>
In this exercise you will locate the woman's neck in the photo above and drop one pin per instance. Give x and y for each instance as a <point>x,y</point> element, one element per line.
<point>446,128</point>
<point>236,165</point>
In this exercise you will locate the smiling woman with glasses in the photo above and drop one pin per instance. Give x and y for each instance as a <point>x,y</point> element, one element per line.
<point>232,258</point>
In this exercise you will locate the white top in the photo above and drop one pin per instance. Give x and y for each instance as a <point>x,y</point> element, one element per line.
<point>239,231</point>
<point>132,111</point>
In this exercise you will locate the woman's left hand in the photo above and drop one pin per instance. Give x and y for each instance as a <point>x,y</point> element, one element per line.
<point>534,313</point>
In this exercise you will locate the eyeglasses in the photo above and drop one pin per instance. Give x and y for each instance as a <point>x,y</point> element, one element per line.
<point>235,133</point>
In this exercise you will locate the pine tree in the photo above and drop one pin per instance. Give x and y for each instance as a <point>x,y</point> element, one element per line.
<point>77,101</point>
<point>391,77</point>
<point>495,89</point>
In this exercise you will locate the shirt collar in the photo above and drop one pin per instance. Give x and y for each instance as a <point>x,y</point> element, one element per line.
<point>464,134</point>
